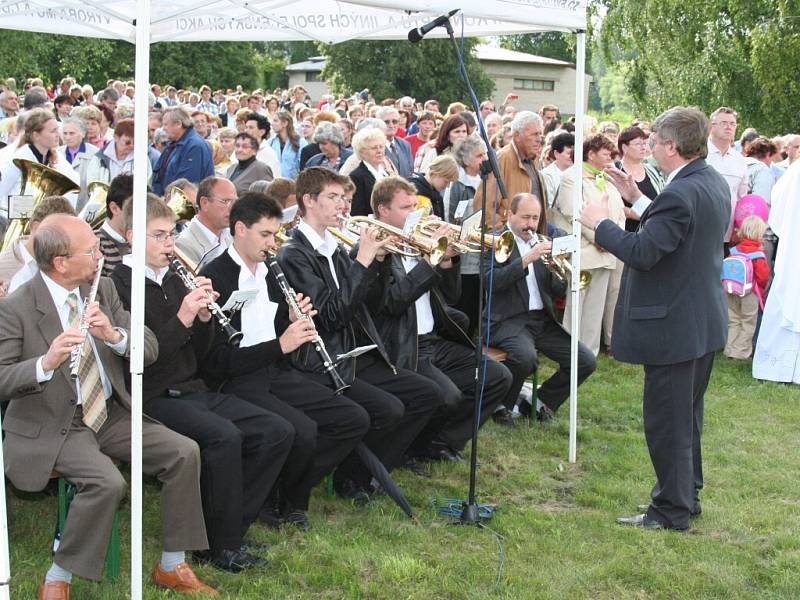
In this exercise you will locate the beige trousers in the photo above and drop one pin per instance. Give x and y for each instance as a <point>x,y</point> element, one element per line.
<point>742,318</point>
<point>611,302</point>
<point>592,305</point>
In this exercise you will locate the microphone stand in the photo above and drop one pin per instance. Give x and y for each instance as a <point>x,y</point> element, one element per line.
<point>470,514</point>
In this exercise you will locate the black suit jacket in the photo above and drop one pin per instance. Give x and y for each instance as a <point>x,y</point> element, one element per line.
<point>224,362</point>
<point>364,182</point>
<point>671,306</point>
<point>510,295</point>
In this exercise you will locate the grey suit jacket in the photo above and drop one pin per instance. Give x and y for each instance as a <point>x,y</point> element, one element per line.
<point>39,415</point>
<point>671,306</point>
<point>256,171</point>
<point>194,244</point>
<point>401,157</point>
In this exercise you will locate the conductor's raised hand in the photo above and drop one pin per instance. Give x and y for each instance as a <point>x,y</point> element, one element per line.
<point>297,334</point>
<point>592,213</point>
<point>624,183</point>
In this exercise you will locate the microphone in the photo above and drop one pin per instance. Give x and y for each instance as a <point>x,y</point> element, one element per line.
<point>418,33</point>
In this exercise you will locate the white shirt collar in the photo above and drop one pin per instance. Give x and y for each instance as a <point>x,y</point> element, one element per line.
<point>26,257</point>
<point>672,175</point>
<point>112,233</point>
<point>245,274</point>
<point>378,173</point>
<point>214,239</point>
<point>157,277</point>
<point>324,245</point>
<point>472,181</point>
<point>712,149</point>
<point>57,292</point>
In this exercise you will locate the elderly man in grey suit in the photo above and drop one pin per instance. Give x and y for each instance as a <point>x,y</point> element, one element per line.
<point>77,426</point>
<point>207,235</point>
<point>248,168</point>
<point>671,315</point>
<point>398,151</point>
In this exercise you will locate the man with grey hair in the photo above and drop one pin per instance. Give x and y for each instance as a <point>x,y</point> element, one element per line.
<point>722,155</point>
<point>398,151</point>
<point>517,163</point>
<point>9,104</point>
<point>187,155</point>
<point>671,315</point>
<point>35,97</point>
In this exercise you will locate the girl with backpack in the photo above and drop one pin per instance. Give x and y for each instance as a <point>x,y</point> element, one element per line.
<point>745,274</point>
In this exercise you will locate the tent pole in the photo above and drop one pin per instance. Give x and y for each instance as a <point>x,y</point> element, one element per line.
<point>5,561</point>
<point>137,293</point>
<point>577,201</point>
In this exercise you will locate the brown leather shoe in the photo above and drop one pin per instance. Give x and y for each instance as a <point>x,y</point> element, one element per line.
<point>54,590</point>
<point>181,579</point>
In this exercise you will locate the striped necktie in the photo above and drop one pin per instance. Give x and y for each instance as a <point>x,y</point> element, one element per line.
<point>91,388</point>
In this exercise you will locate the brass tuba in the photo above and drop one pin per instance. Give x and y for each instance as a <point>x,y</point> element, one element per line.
<point>181,205</point>
<point>94,211</point>
<point>38,181</point>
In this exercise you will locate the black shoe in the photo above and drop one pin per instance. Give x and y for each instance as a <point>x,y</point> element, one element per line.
<point>350,490</point>
<point>503,417</point>
<point>696,511</point>
<point>413,465</point>
<point>440,450</point>
<point>297,518</point>
<point>646,522</point>
<point>544,414</point>
<point>233,561</point>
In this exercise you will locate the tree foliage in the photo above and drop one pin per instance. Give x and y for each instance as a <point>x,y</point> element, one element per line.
<point>219,64</point>
<point>552,44</point>
<point>738,53</point>
<point>392,69</point>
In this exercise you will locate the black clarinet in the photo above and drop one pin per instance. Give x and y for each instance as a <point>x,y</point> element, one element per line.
<point>188,280</point>
<point>319,345</point>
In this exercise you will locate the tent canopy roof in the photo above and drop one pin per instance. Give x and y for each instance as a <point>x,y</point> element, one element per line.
<point>286,20</point>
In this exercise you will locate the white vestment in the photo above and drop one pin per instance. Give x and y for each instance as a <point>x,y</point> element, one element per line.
<point>777,355</point>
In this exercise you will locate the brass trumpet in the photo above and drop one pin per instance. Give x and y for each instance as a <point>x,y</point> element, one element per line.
<point>411,246</point>
<point>503,243</point>
<point>561,267</point>
<point>181,205</point>
<point>97,192</point>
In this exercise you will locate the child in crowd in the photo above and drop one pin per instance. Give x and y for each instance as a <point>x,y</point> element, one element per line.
<point>743,310</point>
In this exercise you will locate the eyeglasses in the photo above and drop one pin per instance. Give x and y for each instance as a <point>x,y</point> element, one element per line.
<point>391,121</point>
<point>224,201</point>
<point>725,123</point>
<point>95,250</point>
<point>163,236</point>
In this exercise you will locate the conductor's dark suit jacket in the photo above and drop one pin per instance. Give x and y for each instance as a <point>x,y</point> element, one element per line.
<point>671,306</point>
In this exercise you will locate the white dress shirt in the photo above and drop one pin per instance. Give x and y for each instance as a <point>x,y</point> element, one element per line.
<point>27,271</point>
<point>258,315</point>
<point>325,246</point>
<point>156,276</point>
<point>534,297</point>
<point>221,241</point>
<point>59,295</point>
<point>422,304</point>
<point>733,168</point>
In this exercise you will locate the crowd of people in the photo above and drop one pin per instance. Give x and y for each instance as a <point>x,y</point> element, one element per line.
<point>242,431</point>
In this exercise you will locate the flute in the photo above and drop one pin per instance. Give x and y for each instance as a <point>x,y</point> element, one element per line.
<point>224,321</point>
<point>319,345</point>
<point>76,355</point>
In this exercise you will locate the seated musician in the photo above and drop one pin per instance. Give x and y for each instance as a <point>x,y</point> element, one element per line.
<point>422,332</point>
<point>399,402</point>
<point>522,317</point>
<point>327,426</point>
<point>76,427</point>
<point>111,232</point>
<point>207,235</point>
<point>243,447</point>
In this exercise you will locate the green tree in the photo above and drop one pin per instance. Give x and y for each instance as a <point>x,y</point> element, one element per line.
<point>738,53</point>
<point>218,64</point>
<point>393,69</point>
<point>552,44</point>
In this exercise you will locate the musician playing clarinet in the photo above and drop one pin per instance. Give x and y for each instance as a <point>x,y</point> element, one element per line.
<point>399,402</point>
<point>327,426</point>
<point>242,446</point>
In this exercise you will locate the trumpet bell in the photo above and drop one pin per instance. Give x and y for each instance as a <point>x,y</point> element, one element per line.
<point>38,181</point>
<point>181,205</point>
<point>94,211</point>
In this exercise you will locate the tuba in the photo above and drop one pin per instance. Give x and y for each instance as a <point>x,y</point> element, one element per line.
<point>38,181</point>
<point>181,205</point>
<point>94,211</point>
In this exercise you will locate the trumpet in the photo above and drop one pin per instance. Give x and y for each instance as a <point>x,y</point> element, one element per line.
<point>182,268</point>
<point>77,353</point>
<point>561,267</point>
<point>503,243</point>
<point>411,246</point>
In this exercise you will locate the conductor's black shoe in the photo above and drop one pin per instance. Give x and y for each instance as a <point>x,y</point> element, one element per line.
<point>646,522</point>
<point>696,511</point>
<point>417,468</point>
<point>349,489</point>
<point>544,414</point>
<point>297,518</point>
<point>233,561</point>
<point>503,417</point>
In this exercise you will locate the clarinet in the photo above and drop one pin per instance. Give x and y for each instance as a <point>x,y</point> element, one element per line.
<point>188,280</point>
<point>319,345</point>
<point>77,353</point>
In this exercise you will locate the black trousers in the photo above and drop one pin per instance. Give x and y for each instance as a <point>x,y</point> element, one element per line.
<point>452,367</point>
<point>242,450</point>
<point>468,302</point>
<point>399,406</point>
<point>538,332</point>
<point>327,427</point>
<point>673,426</point>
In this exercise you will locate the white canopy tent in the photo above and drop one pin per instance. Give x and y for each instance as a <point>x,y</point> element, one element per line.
<point>144,22</point>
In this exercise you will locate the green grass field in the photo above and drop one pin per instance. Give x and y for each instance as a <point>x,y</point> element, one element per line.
<point>556,519</point>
